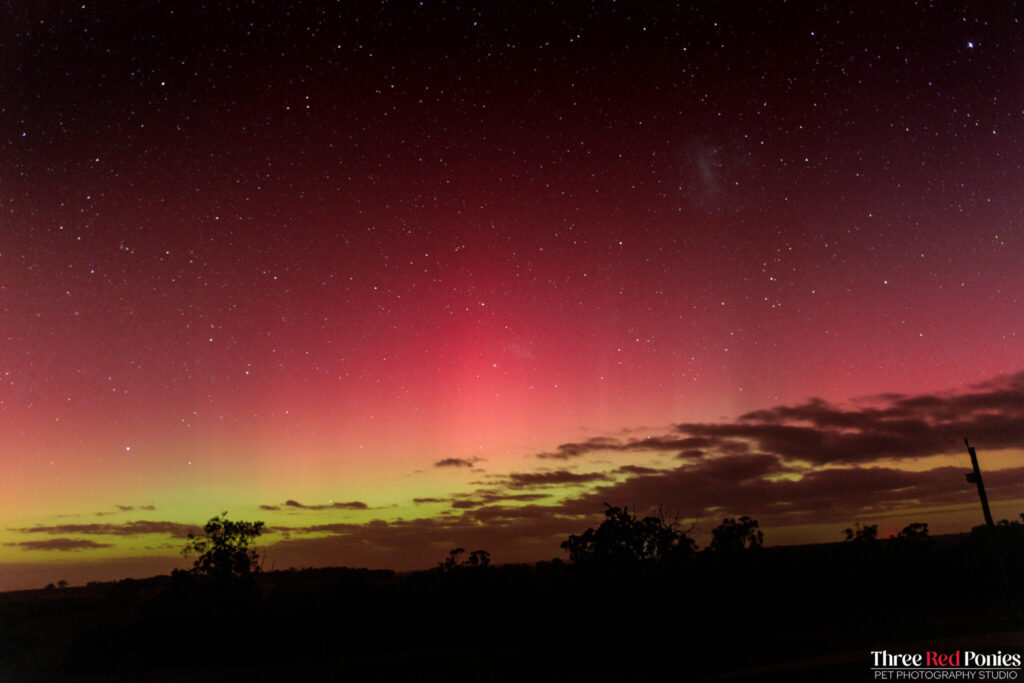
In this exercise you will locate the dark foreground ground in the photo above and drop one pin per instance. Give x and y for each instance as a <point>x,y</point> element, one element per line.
<point>811,613</point>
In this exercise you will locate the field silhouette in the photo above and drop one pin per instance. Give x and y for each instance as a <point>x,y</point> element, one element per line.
<point>635,599</point>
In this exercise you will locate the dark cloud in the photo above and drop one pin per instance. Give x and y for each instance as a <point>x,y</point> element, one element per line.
<point>421,501</point>
<point>126,508</point>
<point>689,442</point>
<point>765,486</point>
<point>455,462</point>
<point>137,528</point>
<point>519,480</point>
<point>488,496</point>
<point>635,469</point>
<point>296,505</point>
<point>349,505</point>
<point>888,426</point>
<point>575,450</point>
<point>683,445</point>
<point>892,427</point>
<point>61,544</point>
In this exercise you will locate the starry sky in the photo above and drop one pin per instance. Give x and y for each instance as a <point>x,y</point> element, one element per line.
<point>395,277</point>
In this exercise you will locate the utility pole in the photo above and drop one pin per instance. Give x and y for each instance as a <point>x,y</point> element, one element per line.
<point>975,478</point>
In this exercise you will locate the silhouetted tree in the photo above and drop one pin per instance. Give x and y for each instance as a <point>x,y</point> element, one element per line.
<point>62,584</point>
<point>1011,523</point>
<point>621,536</point>
<point>910,545</point>
<point>866,535</point>
<point>452,561</point>
<point>736,535</point>
<point>1010,535</point>
<point>224,552</point>
<point>916,532</point>
<point>478,559</point>
<point>904,553</point>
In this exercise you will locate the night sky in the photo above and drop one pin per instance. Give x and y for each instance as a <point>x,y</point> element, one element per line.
<point>400,277</point>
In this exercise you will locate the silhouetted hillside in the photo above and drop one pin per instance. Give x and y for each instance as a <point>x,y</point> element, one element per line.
<point>702,612</point>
